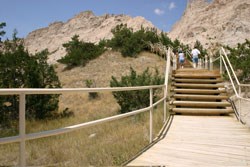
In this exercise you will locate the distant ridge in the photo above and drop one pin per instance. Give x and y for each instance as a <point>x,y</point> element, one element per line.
<point>219,21</point>
<point>89,27</point>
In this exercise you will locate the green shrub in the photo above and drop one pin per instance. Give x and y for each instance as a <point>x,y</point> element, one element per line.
<point>132,100</point>
<point>19,69</point>
<point>80,53</point>
<point>240,59</point>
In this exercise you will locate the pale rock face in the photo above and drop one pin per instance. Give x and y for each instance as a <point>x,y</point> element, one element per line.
<point>224,22</point>
<point>89,27</point>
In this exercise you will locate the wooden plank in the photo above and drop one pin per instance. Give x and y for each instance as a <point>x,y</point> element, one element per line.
<point>207,111</point>
<point>199,97</point>
<point>200,141</point>
<point>218,80</point>
<point>199,91</point>
<point>198,86</point>
<point>201,104</point>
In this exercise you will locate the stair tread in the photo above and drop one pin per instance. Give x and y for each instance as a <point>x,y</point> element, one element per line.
<point>200,102</point>
<point>191,85</point>
<point>201,76</point>
<point>192,96</point>
<point>200,91</point>
<point>197,80</point>
<point>210,111</point>
<point>195,70</point>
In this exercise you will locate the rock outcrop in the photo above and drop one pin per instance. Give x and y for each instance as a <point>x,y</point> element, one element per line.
<point>89,27</point>
<point>217,22</point>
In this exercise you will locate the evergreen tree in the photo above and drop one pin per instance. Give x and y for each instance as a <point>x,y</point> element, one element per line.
<point>80,53</point>
<point>1,31</point>
<point>19,69</point>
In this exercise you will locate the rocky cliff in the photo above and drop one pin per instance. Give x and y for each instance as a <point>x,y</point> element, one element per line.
<point>216,22</point>
<point>89,27</point>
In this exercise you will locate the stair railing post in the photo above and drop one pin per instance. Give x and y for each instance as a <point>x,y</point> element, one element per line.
<point>151,116</point>
<point>174,62</point>
<point>240,101</point>
<point>199,63</point>
<point>211,62</point>
<point>206,62</point>
<point>165,104</point>
<point>22,158</point>
<point>220,62</point>
<point>168,64</point>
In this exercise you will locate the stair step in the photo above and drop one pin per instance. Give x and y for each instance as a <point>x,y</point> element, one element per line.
<point>199,91</point>
<point>197,75</point>
<point>195,70</point>
<point>198,80</point>
<point>187,85</point>
<point>207,111</point>
<point>199,97</point>
<point>201,104</point>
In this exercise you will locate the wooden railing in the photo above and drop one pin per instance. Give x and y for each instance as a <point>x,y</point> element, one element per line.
<point>240,91</point>
<point>23,136</point>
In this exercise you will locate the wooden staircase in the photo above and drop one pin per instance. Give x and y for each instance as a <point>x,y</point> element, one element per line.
<point>199,92</point>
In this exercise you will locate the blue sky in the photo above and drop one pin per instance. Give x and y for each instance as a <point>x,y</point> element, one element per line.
<point>28,15</point>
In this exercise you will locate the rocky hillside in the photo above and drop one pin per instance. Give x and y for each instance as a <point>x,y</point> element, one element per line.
<point>219,21</point>
<point>89,27</point>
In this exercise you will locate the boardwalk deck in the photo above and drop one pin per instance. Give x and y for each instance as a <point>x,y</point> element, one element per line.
<point>200,141</point>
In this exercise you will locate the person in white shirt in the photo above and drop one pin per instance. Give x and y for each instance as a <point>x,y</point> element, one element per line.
<point>195,55</point>
<point>181,58</point>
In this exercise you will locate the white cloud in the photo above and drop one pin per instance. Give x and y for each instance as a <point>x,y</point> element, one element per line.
<point>159,11</point>
<point>171,6</point>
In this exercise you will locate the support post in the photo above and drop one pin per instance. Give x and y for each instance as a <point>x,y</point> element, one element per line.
<point>22,158</point>
<point>240,102</point>
<point>174,62</point>
<point>220,63</point>
<point>211,62</point>
<point>206,62</point>
<point>165,104</point>
<point>199,63</point>
<point>151,116</point>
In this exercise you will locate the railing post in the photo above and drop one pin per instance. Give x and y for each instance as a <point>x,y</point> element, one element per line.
<point>165,104</point>
<point>220,63</point>
<point>199,63</point>
<point>22,102</point>
<point>211,63</point>
<point>240,102</point>
<point>174,62</point>
<point>151,117</point>
<point>206,62</point>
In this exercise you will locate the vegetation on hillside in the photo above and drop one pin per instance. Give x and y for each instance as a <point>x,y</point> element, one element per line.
<point>132,100</point>
<point>240,59</point>
<point>19,69</point>
<point>130,43</point>
<point>80,53</point>
<point>124,40</point>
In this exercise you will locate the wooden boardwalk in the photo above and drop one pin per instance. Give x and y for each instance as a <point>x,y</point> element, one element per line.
<point>200,141</point>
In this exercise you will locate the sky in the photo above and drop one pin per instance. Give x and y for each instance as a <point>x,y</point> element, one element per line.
<point>28,15</point>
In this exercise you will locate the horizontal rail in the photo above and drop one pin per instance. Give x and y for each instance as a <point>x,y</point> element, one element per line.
<point>70,128</point>
<point>17,91</point>
<point>233,78</point>
<point>22,92</point>
<point>244,85</point>
<point>76,127</point>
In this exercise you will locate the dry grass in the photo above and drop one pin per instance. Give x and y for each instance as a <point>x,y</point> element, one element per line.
<point>106,144</point>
